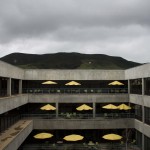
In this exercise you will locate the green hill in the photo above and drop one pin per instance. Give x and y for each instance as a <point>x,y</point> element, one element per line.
<point>68,61</point>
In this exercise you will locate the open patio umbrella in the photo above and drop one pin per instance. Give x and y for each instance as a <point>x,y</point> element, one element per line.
<point>112,137</point>
<point>124,107</point>
<point>73,137</point>
<point>115,83</point>
<point>43,135</point>
<point>110,106</point>
<point>49,82</point>
<point>84,107</point>
<point>48,107</point>
<point>72,83</point>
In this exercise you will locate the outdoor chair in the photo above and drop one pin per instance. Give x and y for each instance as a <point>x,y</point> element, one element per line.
<point>74,114</point>
<point>91,143</point>
<point>133,142</point>
<point>105,115</point>
<point>85,145</point>
<point>30,91</point>
<point>68,115</point>
<point>121,143</point>
<point>92,91</point>
<point>85,91</point>
<point>116,116</point>
<point>35,91</point>
<point>62,114</point>
<point>99,91</point>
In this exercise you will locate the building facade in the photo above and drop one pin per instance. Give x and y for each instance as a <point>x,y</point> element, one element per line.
<point>22,95</point>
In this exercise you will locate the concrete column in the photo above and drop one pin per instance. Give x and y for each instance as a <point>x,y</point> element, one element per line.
<point>94,109</point>
<point>142,141</point>
<point>20,86</point>
<point>9,87</point>
<point>143,112</point>
<point>0,84</point>
<point>57,110</point>
<point>129,90</point>
<point>128,86</point>
<point>143,86</point>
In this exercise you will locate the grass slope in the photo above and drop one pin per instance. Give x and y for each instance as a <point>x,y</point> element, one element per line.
<point>68,61</point>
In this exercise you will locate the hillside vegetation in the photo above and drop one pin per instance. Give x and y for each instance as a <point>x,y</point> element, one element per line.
<point>68,61</point>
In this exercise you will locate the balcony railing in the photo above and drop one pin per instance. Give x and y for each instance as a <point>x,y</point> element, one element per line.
<point>76,146</point>
<point>136,91</point>
<point>147,92</point>
<point>147,121</point>
<point>79,116</point>
<point>75,90</point>
<point>6,122</point>
<point>3,93</point>
<point>138,117</point>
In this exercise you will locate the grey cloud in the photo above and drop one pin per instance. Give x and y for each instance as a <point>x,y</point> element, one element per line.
<point>97,26</point>
<point>35,17</point>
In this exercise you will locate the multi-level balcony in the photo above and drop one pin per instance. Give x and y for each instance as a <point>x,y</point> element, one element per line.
<point>22,95</point>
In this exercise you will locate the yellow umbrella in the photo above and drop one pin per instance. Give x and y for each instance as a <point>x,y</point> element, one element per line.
<point>72,83</point>
<point>124,107</point>
<point>49,82</point>
<point>84,107</point>
<point>115,83</point>
<point>110,106</point>
<point>43,136</point>
<point>112,137</point>
<point>48,107</point>
<point>73,137</point>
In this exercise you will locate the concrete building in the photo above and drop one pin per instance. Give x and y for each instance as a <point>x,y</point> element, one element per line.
<point>22,95</point>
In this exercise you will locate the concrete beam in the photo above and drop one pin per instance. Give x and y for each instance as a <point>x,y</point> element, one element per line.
<point>83,123</point>
<point>139,100</point>
<point>10,71</point>
<point>78,98</point>
<point>142,127</point>
<point>142,71</point>
<point>76,74</point>
<point>9,103</point>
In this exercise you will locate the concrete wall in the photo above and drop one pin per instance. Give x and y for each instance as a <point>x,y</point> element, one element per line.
<point>140,100</point>
<point>7,70</point>
<point>83,123</point>
<point>9,103</point>
<point>57,74</point>
<point>78,98</point>
<point>138,72</point>
<point>19,138</point>
<point>136,99</point>
<point>142,127</point>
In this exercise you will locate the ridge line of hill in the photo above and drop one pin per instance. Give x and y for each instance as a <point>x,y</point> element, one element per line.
<point>64,60</point>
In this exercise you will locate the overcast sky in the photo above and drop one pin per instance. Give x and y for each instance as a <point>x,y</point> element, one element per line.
<point>112,27</point>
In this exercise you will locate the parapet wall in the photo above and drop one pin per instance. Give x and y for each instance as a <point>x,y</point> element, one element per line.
<point>10,71</point>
